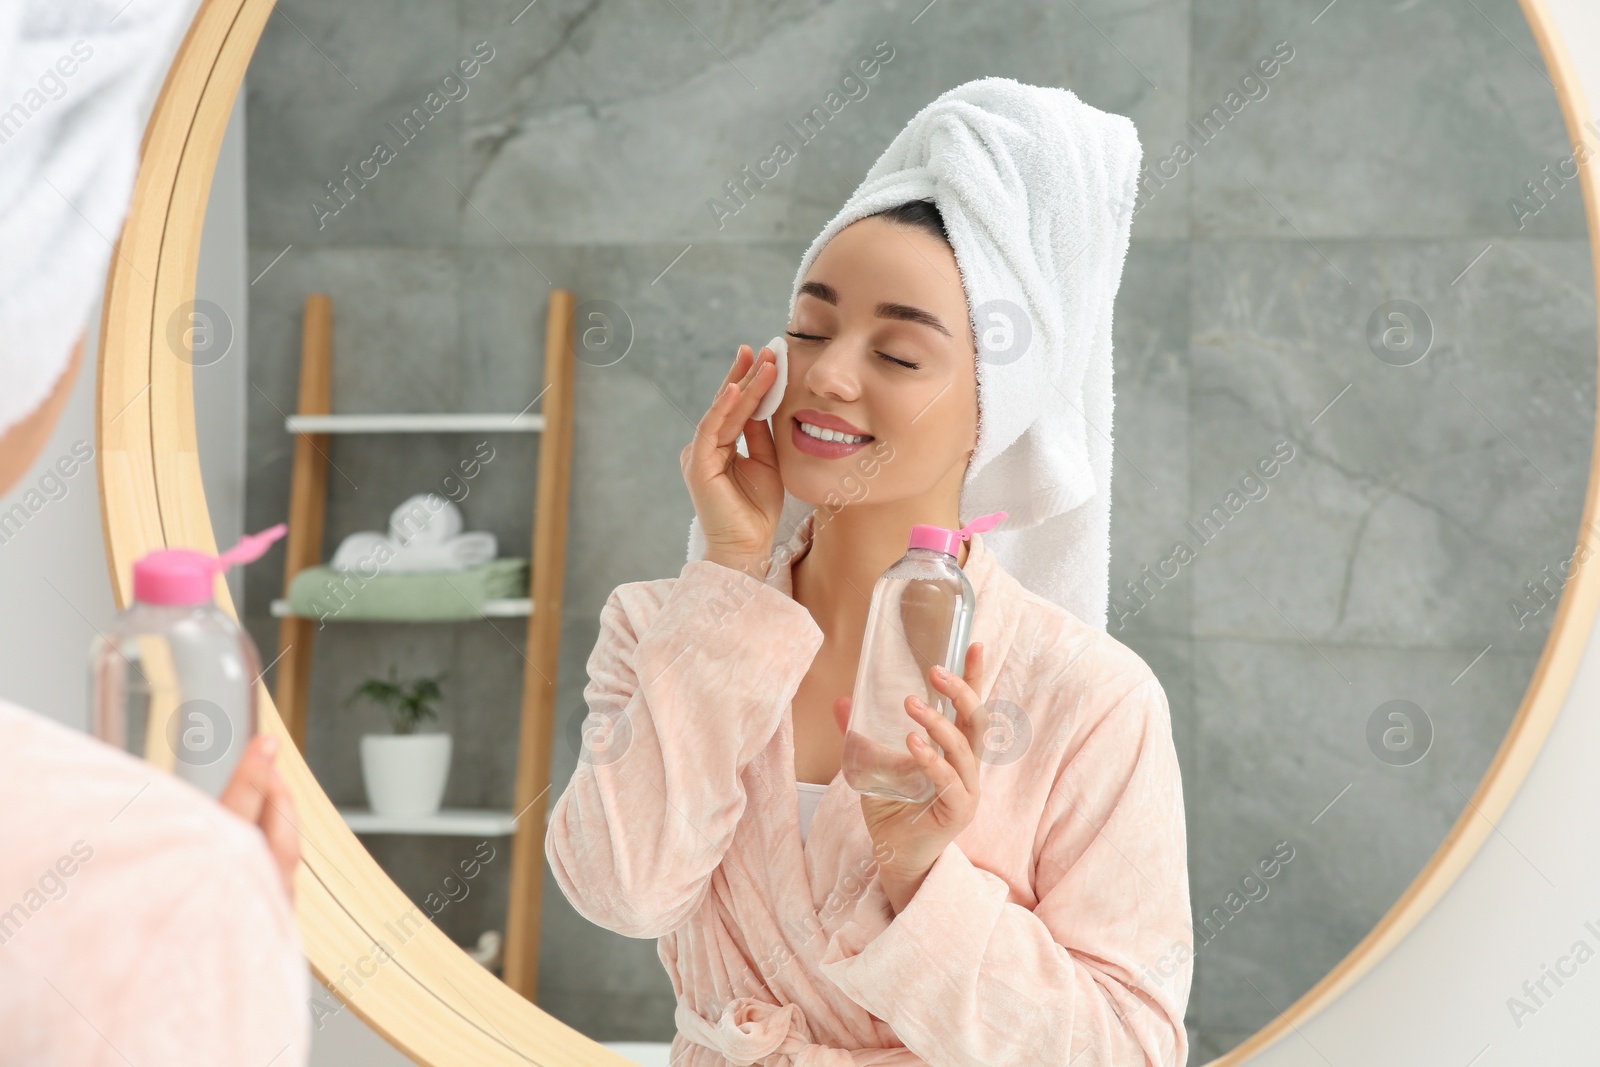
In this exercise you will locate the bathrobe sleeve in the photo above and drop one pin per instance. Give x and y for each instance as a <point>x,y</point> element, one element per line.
<point>681,698</point>
<point>1102,963</point>
<point>144,923</point>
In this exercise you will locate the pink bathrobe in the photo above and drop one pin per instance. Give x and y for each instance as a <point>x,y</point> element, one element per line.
<point>1054,929</point>
<point>141,922</point>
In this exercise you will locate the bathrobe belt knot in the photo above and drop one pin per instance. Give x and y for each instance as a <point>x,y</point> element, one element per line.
<point>751,1030</point>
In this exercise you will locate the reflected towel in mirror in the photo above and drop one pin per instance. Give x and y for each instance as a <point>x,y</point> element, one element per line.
<point>425,536</point>
<point>425,519</point>
<point>325,593</point>
<point>369,552</point>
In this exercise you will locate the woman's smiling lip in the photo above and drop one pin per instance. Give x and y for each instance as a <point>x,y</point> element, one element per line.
<point>816,446</point>
<point>825,421</point>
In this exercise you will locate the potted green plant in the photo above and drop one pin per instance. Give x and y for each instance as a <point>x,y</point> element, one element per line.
<point>405,772</point>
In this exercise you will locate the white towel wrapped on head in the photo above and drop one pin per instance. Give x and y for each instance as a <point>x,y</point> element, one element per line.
<point>1037,190</point>
<point>77,81</point>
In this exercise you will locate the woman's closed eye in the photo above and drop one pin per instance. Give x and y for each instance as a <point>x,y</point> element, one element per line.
<point>881,355</point>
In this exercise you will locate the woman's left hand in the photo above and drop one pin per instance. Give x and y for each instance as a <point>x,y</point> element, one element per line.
<point>912,835</point>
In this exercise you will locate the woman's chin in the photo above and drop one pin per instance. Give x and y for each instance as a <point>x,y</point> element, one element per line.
<point>806,479</point>
<point>820,480</point>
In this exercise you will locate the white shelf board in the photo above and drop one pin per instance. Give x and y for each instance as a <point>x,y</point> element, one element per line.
<point>447,822</point>
<point>506,608</point>
<point>445,422</point>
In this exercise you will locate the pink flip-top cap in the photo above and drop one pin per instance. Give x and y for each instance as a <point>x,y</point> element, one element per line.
<point>948,541</point>
<point>184,576</point>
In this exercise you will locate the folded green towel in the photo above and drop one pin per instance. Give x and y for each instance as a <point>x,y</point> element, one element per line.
<point>326,594</point>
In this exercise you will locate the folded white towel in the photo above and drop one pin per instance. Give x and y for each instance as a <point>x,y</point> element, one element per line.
<point>424,537</point>
<point>425,519</point>
<point>1036,189</point>
<point>369,552</point>
<point>364,553</point>
<point>456,554</point>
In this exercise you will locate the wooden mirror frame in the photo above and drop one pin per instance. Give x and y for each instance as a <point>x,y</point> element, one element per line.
<point>430,999</point>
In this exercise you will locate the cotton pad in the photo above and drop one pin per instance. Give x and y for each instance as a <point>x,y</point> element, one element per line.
<point>774,397</point>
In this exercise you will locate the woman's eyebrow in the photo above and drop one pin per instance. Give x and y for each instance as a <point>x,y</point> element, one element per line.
<point>886,310</point>
<point>907,313</point>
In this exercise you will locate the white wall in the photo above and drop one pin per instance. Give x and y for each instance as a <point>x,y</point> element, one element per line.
<point>54,592</point>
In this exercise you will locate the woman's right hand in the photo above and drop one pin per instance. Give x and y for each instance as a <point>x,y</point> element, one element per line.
<point>257,794</point>
<point>738,498</point>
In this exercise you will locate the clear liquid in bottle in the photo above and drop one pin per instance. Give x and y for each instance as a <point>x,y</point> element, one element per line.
<point>174,684</point>
<point>920,616</point>
<point>173,677</point>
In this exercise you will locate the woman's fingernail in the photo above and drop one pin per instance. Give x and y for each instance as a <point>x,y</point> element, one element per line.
<point>269,747</point>
<point>940,672</point>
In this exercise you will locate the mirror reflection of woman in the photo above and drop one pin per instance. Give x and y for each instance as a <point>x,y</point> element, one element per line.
<point>1037,907</point>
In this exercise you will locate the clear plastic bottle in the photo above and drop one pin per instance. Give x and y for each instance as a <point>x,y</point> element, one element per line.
<point>172,678</point>
<point>921,615</point>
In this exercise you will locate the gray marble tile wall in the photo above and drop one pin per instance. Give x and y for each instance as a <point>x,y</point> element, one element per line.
<point>587,150</point>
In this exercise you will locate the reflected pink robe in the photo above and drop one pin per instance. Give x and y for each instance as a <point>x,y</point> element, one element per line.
<point>1056,924</point>
<point>140,921</point>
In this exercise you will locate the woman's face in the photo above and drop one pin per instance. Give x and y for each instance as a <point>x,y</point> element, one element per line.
<point>881,340</point>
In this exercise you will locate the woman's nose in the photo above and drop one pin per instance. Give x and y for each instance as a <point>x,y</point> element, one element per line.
<point>835,371</point>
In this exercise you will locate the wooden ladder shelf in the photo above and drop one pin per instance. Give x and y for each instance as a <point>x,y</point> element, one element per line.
<point>313,427</point>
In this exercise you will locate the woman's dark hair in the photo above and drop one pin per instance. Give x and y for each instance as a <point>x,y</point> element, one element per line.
<point>918,214</point>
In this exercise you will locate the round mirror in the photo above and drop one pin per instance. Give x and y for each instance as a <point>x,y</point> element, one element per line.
<point>500,259</point>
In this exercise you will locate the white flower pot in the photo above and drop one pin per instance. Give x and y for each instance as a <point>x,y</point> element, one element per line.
<point>405,774</point>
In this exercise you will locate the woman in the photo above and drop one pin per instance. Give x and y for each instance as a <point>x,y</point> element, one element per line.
<point>1037,908</point>
<point>140,921</point>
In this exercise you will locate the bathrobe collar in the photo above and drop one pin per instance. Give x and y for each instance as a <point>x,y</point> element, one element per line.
<point>993,592</point>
